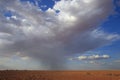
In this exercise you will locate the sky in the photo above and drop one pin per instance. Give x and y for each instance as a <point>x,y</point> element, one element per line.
<point>60,34</point>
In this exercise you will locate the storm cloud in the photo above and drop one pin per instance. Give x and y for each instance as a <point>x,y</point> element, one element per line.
<point>49,37</point>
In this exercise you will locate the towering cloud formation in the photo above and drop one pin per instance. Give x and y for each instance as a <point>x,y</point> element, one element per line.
<point>50,36</point>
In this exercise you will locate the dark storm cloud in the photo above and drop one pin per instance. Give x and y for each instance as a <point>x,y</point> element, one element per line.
<point>48,37</point>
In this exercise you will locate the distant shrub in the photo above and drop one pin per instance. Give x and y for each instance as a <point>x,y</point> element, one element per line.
<point>116,74</point>
<point>110,74</point>
<point>88,73</point>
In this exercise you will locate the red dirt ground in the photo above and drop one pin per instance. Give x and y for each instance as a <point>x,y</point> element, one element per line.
<point>59,75</point>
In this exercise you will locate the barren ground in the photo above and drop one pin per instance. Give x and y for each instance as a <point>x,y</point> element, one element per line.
<point>59,75</point>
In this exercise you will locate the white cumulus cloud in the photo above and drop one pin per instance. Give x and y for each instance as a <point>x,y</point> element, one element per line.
<point>47,37</point>
<point>92,57</point>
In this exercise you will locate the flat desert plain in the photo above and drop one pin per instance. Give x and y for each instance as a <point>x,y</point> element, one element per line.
<point>59,75</point>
